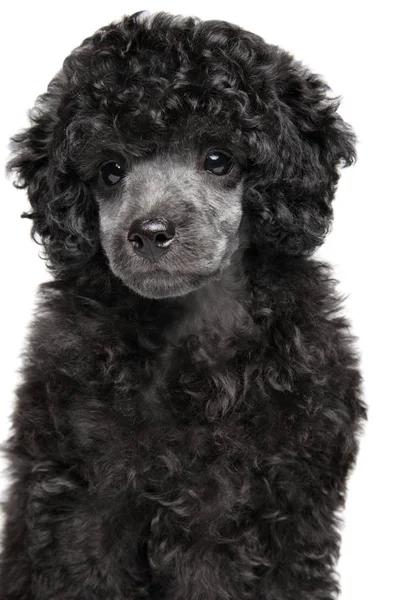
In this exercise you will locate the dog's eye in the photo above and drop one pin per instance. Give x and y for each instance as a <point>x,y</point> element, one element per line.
<point>218,163</point>
<point>111,173</point>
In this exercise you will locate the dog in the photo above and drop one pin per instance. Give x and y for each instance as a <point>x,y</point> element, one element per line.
<point>191,400</point>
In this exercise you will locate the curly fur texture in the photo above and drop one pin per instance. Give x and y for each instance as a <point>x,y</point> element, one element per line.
<point>189,445</point>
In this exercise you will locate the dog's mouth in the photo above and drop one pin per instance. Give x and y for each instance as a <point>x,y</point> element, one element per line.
<point>161,284</point>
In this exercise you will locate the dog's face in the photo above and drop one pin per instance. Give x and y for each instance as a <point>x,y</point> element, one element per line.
<point>169,223</point>
<point>164,143</point>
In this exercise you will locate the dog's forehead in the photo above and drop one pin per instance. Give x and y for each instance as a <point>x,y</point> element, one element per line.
<point>157,72</point>
<point>183,146</point>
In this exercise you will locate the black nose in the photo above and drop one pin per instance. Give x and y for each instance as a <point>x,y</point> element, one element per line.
<point>151,238</point>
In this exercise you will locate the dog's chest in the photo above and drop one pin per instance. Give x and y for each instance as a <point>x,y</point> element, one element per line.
<point>179,437</point>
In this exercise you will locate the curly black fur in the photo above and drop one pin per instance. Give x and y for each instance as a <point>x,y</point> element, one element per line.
<point>195,446</point>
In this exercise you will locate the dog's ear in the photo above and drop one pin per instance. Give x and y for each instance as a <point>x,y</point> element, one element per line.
<point>304,144</point>
<point>62,206</point>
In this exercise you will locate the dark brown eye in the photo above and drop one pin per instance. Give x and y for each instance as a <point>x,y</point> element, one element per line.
<point>218,163</point>
<point>111,173</point>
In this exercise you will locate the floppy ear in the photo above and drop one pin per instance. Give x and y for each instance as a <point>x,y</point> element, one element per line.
<point>303,146</point>
<point>63,211</point>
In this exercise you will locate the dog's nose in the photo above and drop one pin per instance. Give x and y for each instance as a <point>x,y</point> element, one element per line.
<point>152,237</point>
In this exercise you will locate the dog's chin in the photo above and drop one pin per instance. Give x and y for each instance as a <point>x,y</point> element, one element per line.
<point>158,287</point>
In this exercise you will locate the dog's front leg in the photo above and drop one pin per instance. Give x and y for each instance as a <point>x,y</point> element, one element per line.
<point>62,542</point>
<point>15,564</point>
<point>299,528</point>
<point>304,558</point>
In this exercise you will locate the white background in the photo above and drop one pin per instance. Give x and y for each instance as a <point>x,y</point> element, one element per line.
<point>355,46</point>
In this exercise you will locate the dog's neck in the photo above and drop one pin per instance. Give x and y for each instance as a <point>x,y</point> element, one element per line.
<point>218,312</point>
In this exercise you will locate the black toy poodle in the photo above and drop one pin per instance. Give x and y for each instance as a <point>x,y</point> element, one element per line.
<point>191,398</point>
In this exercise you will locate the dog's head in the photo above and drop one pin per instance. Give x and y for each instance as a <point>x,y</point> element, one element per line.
<point>166,142</point>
